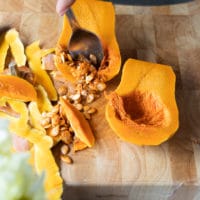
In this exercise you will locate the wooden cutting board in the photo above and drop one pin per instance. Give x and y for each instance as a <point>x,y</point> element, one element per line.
<point>114,169</point>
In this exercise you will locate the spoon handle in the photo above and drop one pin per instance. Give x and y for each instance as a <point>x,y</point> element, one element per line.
<point>72,19</point>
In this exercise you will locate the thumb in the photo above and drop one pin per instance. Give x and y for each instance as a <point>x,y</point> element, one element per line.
<point>63,5</point>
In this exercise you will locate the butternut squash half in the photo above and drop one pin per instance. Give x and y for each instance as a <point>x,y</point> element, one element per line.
<point>142,110</point>
<point>98,17</point>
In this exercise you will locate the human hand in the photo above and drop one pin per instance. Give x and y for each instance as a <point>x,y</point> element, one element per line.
<point>63,5</point>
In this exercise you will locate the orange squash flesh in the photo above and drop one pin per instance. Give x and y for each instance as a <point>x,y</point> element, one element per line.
<point>97,17</point>
<point>78,123</point>
<point>17,88</point>
<point>143,109</point>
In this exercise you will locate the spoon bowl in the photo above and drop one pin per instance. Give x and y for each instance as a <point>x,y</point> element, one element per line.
<point>83,42</point>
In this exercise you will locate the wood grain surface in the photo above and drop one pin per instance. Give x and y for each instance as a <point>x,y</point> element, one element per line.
<point>114,169</point>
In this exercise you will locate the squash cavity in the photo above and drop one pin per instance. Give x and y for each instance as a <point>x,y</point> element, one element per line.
<point>137,109</point>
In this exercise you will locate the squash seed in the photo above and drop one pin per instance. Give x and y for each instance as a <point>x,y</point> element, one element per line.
<point>62,122</point>
<point>66,159</point>
<point>101,86</point>
<point>46,121</point>
<point>92,110</point>
<point>84,93</point>
<point>87,116</point>
<point>78,106</point>
<point>86,108</point>
<point>90,98</point>
<point>54,131</point>
<point>93,59</point>
<point>66,136</point>
<point>62,91</point>
<point>89,78</point>
<point>64,149</point>
<point>55,120</point>
<point>75,97</point>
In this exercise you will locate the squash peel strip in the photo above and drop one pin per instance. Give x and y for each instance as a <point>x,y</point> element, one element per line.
<point>3,51</point>
<point>53,181</point>
<point>43,102</point>
<point>34,55</point>
<point>16,46</point>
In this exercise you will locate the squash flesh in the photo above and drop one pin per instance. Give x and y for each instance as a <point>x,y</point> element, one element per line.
<point>16,88</point>
<point>4,45</point>
<point>78,123</point>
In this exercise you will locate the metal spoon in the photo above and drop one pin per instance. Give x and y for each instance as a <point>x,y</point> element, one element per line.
<point>83,42</point>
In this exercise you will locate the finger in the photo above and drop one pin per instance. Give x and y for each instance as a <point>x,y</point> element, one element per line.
<point>63,5</point>
<point>19,143</point>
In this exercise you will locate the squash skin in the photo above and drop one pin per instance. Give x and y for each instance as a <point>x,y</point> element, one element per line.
<point>11,39</point>
<point>92,14</point>
<point>154,85</point>
<point>16,46</point>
